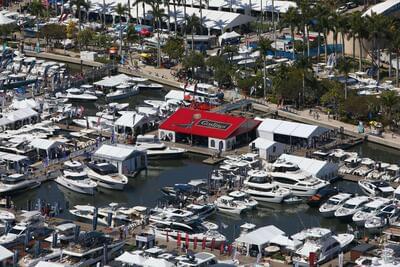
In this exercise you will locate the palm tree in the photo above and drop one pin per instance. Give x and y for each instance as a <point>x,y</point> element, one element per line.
<point>291,19</point>
<point>359,32</point>
<point>121,11</point>
<point>344,67</point>
<point>158,14</point>
<point>193,23</point>
<point>376,25</point>
<point>303,64</point>
<point>144,2</point>
<point>389,100</point>
<point>320,12</point>
<point>396,47</point>
<point>37,9</point>
<point>343,28</point>
<point>264,45</point>
<point>79,4</point>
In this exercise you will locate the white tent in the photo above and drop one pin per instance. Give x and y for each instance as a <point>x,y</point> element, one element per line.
<point>260,237</point>
<point>131,259</point>
<point>5,21</point>
<point>227,36</point>
<point>25,103</point>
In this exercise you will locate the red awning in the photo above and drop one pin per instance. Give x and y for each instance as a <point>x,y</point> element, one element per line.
<point>208,124</point>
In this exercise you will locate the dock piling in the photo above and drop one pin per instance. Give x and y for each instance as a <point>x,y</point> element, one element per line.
<point>55,237</point>
<point>15,258</point>
<point>77,231</point>
<point>94,221</point>
<point>105,254</point>
<point>28,205</point>
<point>109,219</point>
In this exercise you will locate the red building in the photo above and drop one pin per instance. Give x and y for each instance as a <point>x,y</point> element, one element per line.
<point>208,129</point>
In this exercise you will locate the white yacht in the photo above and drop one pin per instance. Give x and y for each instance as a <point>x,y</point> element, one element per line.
<point>106,175</point>
<point>243,198</point>
<point>329,208</point>
<point>123,91</point>
<point>299,183</point>
<point>367,166</point>
<point>90,250</point>
<point>191,230</point>
<point>350,207</point>
<point>203,89</point>
<point>388,215</point>
<point>77,94</point>
<point>227,204</point>
<point>350,164</point>
<point>87,212</point>
<point>379,171</point>
<point>202,211</point>
<point>322,242</point>
<point>76,179</point>
<point>156,149</point>
<point>149,85</point>
<point>15,183</point>
<point>370,210</point>
<point>376,188</point>
<point>94,122</point>
<point>260,187</point>
<point>65,232</point>
<point>392,173</point>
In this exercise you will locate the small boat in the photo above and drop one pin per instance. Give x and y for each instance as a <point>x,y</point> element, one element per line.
<point>65,232</point>
<point>75,178</point>
<point>376,188</point>
<point>369,210</point>
<point>388,215</point>
<point>149,85</point>
<point>15,183</point>
<point>367,166</point>
<point>243,198</point>
<point>333,203</point>
<point>106,175</point>
<point>77,94</point>
<point>202,210</point>
<point>321,196</point>
<point>392,173</point>
<point>123,91</point>
<point>227,204</point>
<point>350,207</point>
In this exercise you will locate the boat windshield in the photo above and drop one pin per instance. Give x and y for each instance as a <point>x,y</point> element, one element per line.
<point>349,206</point>
<point>16,231</point>
<point>369,209</point>
<point>332,202</point>
<point>259,179</point>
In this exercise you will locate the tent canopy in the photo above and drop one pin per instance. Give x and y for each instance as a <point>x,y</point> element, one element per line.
<point>228,35</point>
<point>260,236</point>
<point>131,259</point>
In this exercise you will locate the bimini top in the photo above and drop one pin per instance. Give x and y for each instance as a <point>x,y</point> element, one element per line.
<point>207,124</point>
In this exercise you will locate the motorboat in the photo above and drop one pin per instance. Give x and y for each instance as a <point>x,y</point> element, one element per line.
<point>77,94</point>
<point>66,232</point>
<point>227,204</point>
<point>75,178</point>
<point>192,190</point>
<point>6,217</point>
<point>158,214</point>
<point>388,215</point>
<point>379,171</point>
<point>16,183</point>
<point>90,249</point>
<point>322,242</point>
<point>338,155</point>
<point>106,175</point>
<point>31,220</point>
<point>89,89</point>
<point>350,164</point>
<point>329,208</point>
<point>94,122</point>
<point>261,188</point>
<point>123,91</point>
<point>392,173</point>
<point>376,188</point>
<point>201,210</point>
<point>300,183</point>
<point>243,198</point>
<point>203,89</point>
<point>321,196</point>
<point>149,85</point>
<point>87,212</point>
<point>191,231</point>
<point>197,260</point>
<point>369,210</point>
<point>351,206</point>
<point>367,166</point>
<point>156,149</point>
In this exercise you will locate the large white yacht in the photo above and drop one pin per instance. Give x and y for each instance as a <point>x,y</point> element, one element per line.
<point>351,206</point>
<point>156,149</point>
<point>260,187</point>
<point>106,175</point>
<point>329,208</point>
<point>370,210</point>
<point>76,179</point>
<point>15,183</point>
<point>77,94</point>
<point>322,242</point>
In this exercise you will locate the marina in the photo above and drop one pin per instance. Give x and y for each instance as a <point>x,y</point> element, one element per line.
<point>162,134</point>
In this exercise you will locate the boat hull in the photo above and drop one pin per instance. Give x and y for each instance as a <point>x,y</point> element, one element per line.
<point>73,187</point>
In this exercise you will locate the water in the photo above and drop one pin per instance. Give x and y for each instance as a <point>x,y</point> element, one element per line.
<point>378,152</point>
